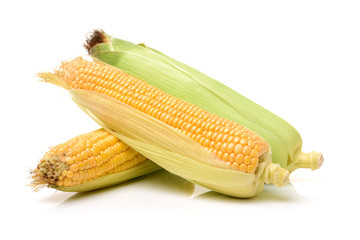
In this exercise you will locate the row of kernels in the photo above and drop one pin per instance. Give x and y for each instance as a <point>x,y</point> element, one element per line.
<point>137,159</point>
<point>61,148</point>
<point>78,148</point>
<point>229,150</point>
<point>158,96</point>
<point>107,158</point>
<point>72,179</point>
<point>75,145</point>
<point>231,158</point>
<point>242,167</point>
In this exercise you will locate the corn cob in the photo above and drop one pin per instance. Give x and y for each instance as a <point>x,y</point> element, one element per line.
<point>195,87</point>
<point>89,161</point>
<point>178,136</point>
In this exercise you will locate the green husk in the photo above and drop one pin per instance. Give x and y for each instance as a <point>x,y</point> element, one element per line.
<point>195,87</point>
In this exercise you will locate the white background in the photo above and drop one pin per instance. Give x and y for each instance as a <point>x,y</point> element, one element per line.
<point>299,59</point>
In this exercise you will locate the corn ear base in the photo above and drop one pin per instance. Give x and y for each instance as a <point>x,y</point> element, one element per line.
<point>195,87</point>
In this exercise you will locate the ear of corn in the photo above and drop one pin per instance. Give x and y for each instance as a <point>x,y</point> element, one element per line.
<point>178,136</point>
<point>90,161</point>
<point>195,87</point>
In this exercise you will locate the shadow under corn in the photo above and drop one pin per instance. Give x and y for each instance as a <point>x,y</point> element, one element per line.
<point>158,190</point>
<point>270,193</point>
<point>158,181</point>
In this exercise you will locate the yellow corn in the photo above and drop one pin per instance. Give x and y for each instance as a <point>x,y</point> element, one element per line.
<point>238,146</point>
<point>83,159</point>
<point>181,137</point>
